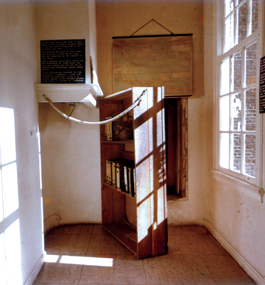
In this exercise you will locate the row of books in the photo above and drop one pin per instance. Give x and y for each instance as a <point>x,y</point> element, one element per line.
<point>120,173</point>
<point>119,129</point>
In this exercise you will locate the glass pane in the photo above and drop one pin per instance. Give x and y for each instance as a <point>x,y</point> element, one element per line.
<point>236,150</point>
<point>224,150</point>
<point>255,15</point>
<point>224,113</point>
<point>224,82</point>
<point>250,110</point>
<point>236,112</point>
<point>237,71</point>
<point>251,64</point>
<point>229,6</point>
<point>242,24</point>
<point>229,33</point>
<point>250,154</point>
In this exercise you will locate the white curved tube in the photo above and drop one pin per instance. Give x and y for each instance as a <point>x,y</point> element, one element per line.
<point>136,103</point>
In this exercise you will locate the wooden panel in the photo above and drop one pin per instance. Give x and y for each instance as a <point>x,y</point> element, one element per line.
<point>125,234</point>
<point>184,147</point>
<point>148,211</point>
<point>131,210</point>
<point>160,177</point>
<point>118,207</point>
<point>153,61</point>
<point>107,213</point>
<point>150,160</point>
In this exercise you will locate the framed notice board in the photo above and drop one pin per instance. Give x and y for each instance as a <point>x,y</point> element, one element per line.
<point>153,61</point>
<point>63,61</point>
<point>262,86</point>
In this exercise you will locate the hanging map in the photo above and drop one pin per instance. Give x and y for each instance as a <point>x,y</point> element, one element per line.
<point>153,61</point>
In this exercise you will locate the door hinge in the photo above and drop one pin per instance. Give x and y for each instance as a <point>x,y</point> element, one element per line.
<point>261,192</point>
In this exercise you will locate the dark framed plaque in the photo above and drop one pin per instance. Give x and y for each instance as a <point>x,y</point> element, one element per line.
<point>63,61</point>
<point>262,86</point>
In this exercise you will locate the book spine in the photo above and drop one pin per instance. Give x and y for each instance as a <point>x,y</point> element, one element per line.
<point>113,173</point>
<point>108,130</point>
<point>130,180</point>
<point>125,179</point>
<point>118,176</point>
<point>108,171</point>
<point>134,183</point>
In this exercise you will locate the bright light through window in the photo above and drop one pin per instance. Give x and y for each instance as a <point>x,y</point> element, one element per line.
<point>1,199</point>
<point>10,246</point>
<point>80,260</point>
<point>7,137</point>
<point>10,189</point>
<point>2,260</point>
<point>8,165</point>
<point>10,255</point>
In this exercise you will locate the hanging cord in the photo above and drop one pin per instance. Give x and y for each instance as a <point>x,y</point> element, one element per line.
<point>153,20</point>
<point>136,103</point>
<point>72,109</point>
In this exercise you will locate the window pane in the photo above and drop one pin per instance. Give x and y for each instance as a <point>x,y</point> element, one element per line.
<point>254,15</point>
<point>242,24</point>
<point>236,110</point>
<point>229,6</point>
<point>224,150</point>
<point>251,64</point>
<point>224,113</point>
<point>250,154</point>
<point>237,71</point>
<point>250,110</point>
<point>224,82</point>
<point>236,150</point>
<point>229,33</point>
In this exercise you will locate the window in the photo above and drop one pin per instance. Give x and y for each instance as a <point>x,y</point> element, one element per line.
<point>238,65</point>
<point>10,244</point>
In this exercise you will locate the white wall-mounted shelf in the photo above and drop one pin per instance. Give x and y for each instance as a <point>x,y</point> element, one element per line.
<point>63,93</point>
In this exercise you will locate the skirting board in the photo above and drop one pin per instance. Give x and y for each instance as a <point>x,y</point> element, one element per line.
<point>249,269</point>
<point>36,270</point>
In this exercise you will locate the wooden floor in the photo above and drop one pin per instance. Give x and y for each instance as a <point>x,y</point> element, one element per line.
<point>194,257</point>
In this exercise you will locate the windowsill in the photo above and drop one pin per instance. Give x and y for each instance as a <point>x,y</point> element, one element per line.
<point>237,184</point>
<point>176,198</point>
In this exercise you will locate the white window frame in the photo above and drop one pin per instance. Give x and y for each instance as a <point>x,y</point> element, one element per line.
<point>220,56</point>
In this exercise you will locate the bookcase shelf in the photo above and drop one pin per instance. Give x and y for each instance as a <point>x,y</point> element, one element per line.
<point>125,234</point>
<point>139,223</point>
<point>115,189</point>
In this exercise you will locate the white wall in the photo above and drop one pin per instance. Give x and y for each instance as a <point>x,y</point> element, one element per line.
<point>234,214</point>
<point>123,18</point>
<point>70,152</point>
<point>17,77</point>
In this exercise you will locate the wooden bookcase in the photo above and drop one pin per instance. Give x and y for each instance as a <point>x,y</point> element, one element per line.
<point>139,223</point>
